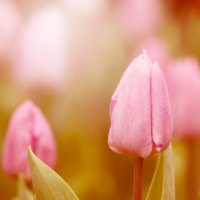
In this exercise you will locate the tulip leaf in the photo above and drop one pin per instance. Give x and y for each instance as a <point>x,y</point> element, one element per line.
<point>47,184</point>
<point>163,184</point>
<point>23,193</point>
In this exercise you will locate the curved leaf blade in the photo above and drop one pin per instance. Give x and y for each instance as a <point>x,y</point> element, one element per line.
<point>47,184</point>
<point>23,193</point>
<point>163,183</point>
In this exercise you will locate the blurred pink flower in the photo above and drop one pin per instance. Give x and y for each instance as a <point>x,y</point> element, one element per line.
<point>40,55</point>
<point>140,17</point>
<point>10,23</point>
<point>28,126</point>
<point>88,21</point>
<point>86,8</point>
<point>157,49</point>
<point>141,121</point>
<point>183,78</point>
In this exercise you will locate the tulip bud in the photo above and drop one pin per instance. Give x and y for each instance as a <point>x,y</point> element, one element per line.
<point>141,121</point>
<point>27,126</point>
<point>183,79</point>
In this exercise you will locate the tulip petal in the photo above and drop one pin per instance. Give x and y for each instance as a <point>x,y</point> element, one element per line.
<point>119,87</point>
<point>161,110</point>
<point>28,126</point>
<point>132,111</point>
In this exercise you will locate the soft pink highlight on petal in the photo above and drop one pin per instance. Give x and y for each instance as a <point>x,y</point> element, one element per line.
<point>141,121</point>
<point>27,126</point>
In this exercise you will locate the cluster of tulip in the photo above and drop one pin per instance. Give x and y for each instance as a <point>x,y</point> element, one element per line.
<point>141,124</point>
<point>60,53</point>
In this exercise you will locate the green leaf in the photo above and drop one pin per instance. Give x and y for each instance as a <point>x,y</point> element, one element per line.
<point>23,193</point>
<point>46,183</point>
<point>163,185</point>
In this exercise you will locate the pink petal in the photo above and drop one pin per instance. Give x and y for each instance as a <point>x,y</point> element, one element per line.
<point>161,110</point>
<point>132,111</point>
<point>27,127</point>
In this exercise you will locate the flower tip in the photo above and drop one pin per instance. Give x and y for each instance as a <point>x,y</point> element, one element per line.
<point>159,148</point>
<point>114,149</point>
<point>29,149</point>
<point>30,153</point>
<point>145,53</point>
<point>144,56</point>
<point>28,103</point>
<point>156,66</point>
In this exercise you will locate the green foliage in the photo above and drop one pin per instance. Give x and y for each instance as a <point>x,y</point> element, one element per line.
<point>23,192</point>
<point>163,185</point>
<point>47,184</point>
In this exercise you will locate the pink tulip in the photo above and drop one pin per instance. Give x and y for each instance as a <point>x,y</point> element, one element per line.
<point>141,121</point>
<point>183,78</point>
<point>10,21</point>
<point>28,126</point>
<point>40,58</point>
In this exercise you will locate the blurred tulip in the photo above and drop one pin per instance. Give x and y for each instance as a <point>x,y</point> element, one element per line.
<point>183,78</point>
<point>28,126</point>
<point>40,55</point>
<point>140,17</point>
<point>89,24</point>
<point>87,8</point>
<point>10,21</point>
<point>141,121</point>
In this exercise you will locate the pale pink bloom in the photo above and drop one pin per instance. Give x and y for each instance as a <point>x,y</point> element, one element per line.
<point>86,8</point>
<point>88,26</point>
<point>27,126</point>
<point>157,49</point>
<point>10,23</point>
<point>183,78</point>
<point>140,112</point>
<point>140,17</point>
<point>41,52</point>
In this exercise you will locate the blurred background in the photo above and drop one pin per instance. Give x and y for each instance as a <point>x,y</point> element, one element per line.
<point>68,56</point>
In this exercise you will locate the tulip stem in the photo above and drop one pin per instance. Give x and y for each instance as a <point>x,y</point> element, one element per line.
<point>138,178</point>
